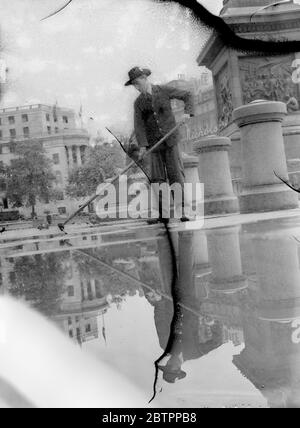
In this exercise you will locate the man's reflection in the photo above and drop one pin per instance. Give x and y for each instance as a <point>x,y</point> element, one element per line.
<point>184,332</point>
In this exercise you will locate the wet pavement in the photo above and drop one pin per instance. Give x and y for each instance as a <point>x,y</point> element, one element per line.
<point>218,307</point>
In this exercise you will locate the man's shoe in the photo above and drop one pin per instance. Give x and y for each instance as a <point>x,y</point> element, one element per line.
<point>184,219</point>
<point>152,221</point>
<point>164,220</point>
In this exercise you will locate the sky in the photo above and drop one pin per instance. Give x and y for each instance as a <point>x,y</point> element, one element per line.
<point>82,55</point>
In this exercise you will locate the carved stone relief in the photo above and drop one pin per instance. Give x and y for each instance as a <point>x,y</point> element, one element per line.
<point>224,98</point>
<point>269,79</point>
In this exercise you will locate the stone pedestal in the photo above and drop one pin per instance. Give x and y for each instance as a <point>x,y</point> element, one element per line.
<point>225,259</point>
<point>260,123</point>
<point>214,173</point>
<point>277,291</point>
<point>192,196</point>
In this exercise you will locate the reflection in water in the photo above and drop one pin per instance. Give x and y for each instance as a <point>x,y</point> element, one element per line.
<point>237,285</point>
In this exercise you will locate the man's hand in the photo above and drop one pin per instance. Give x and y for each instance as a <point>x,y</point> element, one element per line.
<point>185,118</point>
<point>142,152</point>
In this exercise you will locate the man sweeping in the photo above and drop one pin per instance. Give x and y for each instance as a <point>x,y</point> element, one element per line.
<point>153,119</point>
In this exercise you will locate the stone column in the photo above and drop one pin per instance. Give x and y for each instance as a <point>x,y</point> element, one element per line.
<point>71,163</point>
<point>214,173</point>
<point>93,288</point>
<point>85,290</point>
<point>260,123</point>
<point>190,164</point>
<point>225,259</point>
<point>78,156</point>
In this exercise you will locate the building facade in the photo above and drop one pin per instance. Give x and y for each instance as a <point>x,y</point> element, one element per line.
<point>64,143</point>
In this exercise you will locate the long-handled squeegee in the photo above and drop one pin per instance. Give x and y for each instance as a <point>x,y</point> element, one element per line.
<point>115,178</point>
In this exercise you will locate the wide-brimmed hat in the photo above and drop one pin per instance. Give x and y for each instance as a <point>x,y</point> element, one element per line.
<point>170,375</point>
<point>136,72</point>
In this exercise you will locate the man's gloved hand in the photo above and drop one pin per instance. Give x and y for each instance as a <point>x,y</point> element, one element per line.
<point>185,118</point>
<point>142,152</point>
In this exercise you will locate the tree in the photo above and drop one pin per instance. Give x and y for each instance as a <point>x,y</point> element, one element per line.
<point>102,162</point>
<point>40,279</point>
<point>30,177</point>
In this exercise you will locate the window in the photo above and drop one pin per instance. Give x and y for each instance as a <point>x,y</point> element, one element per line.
<point>60,196</point>
<point>0,135</point>
<point>62,210</point>
<point>88,328</point>
<point>70,291</point>
<point>49,129</point>
<point>94,238</point>
<point>12,133</point>
<point>56,130</point>
<point>26,131</point>
<point>12,147</point>
<point>65,119</point>
<point>48,117</point>
<point>11,120</point>
<point>55,158</point>
<point>24,117</point>
<point>69,320</point>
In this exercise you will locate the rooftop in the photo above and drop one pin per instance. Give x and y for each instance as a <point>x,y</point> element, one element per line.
<point>33,107</point>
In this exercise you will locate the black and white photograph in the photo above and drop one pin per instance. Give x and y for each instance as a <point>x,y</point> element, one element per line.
<point>149,207</point>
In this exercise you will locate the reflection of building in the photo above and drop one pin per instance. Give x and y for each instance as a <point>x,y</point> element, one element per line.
<point>55,127</point>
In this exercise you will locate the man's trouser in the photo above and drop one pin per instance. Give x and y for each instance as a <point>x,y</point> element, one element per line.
<point>167,167</point>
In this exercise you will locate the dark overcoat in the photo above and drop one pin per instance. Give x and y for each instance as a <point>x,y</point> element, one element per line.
<point>147,131</point>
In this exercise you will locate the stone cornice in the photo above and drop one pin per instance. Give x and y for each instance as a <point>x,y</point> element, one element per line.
<point>257,27</point>
<point>263,24</point>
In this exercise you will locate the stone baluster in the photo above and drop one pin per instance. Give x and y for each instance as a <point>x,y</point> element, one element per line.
<point>225,259</point>
<point>260,124</point>
<point>214,173</point>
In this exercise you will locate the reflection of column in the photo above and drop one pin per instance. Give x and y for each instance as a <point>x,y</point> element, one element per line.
<point>271,358</point>
<point>201,263</point>
<point>214,172</point>
<point>225,259</point>
<point>200,249</point>
<point>186,262</point>
<point>278,275</point>
<point>263,153</point>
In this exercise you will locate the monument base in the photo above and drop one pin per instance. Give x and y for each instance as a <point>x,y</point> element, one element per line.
<point>228,286</point>
<point>265,199</point>
<point>222,205</point>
